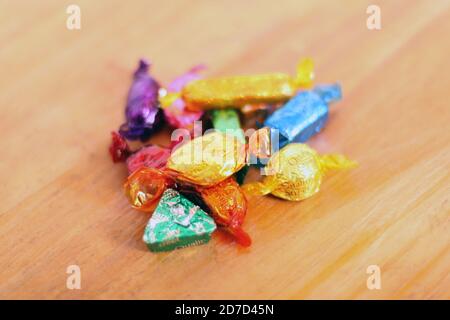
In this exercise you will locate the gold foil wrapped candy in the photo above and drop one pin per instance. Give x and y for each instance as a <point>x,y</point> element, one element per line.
<point>238,91</point>
<point>296,172</point>
<point>208,159</point>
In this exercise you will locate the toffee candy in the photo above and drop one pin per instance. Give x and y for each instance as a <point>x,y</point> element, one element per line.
<point>177,223</point>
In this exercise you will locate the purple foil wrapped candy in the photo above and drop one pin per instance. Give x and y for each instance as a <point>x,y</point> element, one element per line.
<point>142,113</point>
<point>176,114</point>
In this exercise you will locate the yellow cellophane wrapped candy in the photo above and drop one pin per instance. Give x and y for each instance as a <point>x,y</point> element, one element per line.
<point>296,172</point>
<point>208,159</point>
<point>238,91</point>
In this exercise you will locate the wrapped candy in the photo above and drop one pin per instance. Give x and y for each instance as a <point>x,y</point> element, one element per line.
<point>228,206</point>
<point>150,156</point>
<point>227,121</point>
<point>177,223</point>
<point>304,115</point>
<point>142,112</point>
<point>299,119</point>
<point>203,175</point>
<point>208,159</point>
<point>296,172</point>
<point>238,91</point>
<point>145,186</point>
<point>175,111</point>
<point>118,149</point>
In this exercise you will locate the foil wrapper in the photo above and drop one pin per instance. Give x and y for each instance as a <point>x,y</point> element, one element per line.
<point>239,91</point>
<point>176,113</point>
<point>228,206</point>
<point>142,112</point>
<point>300,118</point>
<point>296,172</point>
<point>208,159</point>
<point>145,186</point>
<point>177,223</point>
<point>227,121</point>
<point>150,157</point>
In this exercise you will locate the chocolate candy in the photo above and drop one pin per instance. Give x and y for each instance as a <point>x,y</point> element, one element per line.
<point>208,159</point>
<point>304,115</point>
<point>296,172</point>
<point>177,223</point>
<point>145,186</point>
<point>228,206</point>
<point>142,112</point>
<point>175,110</point>
<point>238,91</point>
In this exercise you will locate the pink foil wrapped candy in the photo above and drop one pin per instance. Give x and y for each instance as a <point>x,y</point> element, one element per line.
<point>149,157</point>
<point>176,113</point>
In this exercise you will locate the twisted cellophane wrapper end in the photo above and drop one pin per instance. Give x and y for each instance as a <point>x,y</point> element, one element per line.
<point>305,73</point>
<point>336,162</point>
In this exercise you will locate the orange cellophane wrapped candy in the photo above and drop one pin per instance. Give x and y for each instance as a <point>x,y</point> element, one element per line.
<point>145,187</point>
<point>228,206</point>
<point>208,159</point>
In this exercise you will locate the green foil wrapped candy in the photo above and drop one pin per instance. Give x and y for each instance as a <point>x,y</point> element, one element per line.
<point>227,121</point>
<point>177,223</point>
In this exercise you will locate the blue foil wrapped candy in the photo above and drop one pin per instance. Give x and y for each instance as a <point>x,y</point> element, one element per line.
<point>304,115</point>
<point>298,120</point>
<point>143,115</point>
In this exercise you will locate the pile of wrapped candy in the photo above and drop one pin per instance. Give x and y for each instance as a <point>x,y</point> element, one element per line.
<point>197,185</point>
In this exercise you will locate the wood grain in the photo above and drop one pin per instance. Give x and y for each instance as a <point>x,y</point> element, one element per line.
<point>63,91</point>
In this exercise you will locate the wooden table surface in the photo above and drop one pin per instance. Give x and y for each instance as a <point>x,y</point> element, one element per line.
<point>63,91</point>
